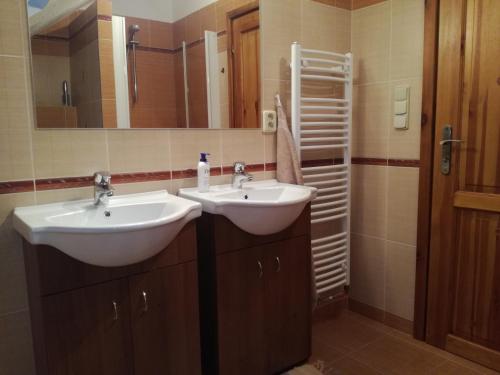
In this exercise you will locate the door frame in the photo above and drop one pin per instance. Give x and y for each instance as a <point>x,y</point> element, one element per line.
<point>230,16</point>
<point>428,125</point>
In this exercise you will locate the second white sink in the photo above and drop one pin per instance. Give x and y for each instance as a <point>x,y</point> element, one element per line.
<point>261,208</point>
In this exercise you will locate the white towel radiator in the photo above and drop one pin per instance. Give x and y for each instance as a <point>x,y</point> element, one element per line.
<point>321,126</point>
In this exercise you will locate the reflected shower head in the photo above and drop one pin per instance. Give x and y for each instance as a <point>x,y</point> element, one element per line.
<point>132,30</point>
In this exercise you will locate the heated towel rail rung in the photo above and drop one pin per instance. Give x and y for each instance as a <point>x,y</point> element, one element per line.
<point>324,100</point>
<point>324,167</point>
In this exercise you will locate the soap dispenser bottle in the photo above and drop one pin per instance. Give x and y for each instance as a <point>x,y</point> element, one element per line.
<point>203,173</point>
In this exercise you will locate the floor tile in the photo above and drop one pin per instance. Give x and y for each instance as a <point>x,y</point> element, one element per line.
<point>347,334</point>
<point>390,355</point>
<point>450,368</point>
<point>349,366</point>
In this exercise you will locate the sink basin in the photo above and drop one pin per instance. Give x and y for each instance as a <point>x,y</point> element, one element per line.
<point>260,208</point>
<point>126,230</point>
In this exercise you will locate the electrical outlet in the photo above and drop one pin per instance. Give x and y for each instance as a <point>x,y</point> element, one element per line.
<point>268,121</point>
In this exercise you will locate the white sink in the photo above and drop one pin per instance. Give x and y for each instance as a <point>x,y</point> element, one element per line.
<point>126,230</point>
<point>260,208</point>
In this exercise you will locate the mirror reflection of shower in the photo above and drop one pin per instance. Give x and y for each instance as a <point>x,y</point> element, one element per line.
<point>131,45</point>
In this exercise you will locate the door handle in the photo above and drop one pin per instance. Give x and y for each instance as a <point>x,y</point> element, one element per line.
<point>446,143</point>
<point>115,310</point>
<point>145,299</point>
<point>261,269</point>
<point>278,264</point>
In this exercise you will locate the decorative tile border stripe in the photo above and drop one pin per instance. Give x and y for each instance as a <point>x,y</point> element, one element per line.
<point>412,163</point>
<point>127,178</point>
<point>271,166</point>
<point>63,183</point>
<point>9,187</point>
<point>16,187</point>
<point>403,163</point>
<point>369,161</point>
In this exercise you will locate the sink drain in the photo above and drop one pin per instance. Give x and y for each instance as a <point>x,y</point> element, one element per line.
<point>107,213</point>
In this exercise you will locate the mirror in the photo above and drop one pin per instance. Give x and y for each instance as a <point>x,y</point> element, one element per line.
<point>145,64</point>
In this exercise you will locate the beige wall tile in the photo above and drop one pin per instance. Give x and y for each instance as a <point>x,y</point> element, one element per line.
<point>370,40</point>
<point>400,279</point>
<point>371,120</point>
<point>63,153</point>
<point>15,154</point>
<point>405,144</point>
<point>367,270</point>
<point>407,38</point>
<point>402,204</point>
<point>13,296</point>
<point>142,187</point>
<point>325,27</point>
<point>242,145</point>
<point>138,150</point>
<point>16,355</point>
<point>368,200</point>
<point>270,88</point>
<point>281,19</point>
<point>11,39</point>
<point>186,146</point>
<point>64,195</point>
<point>270,147</point>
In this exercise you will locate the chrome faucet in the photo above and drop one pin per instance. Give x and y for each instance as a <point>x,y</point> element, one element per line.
<point>239,175</point>
<point>102,186</point>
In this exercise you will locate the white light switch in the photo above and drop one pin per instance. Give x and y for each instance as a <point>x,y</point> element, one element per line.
<point>268,121</point>
<point>401,107</point>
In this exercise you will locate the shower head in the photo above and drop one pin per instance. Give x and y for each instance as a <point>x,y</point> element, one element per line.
<point>132,30</point>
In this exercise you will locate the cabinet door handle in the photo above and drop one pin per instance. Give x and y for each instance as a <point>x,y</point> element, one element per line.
<point>261,269</point>
<point>115,310</point>
<point>278,264</point>
<point>145,299</point>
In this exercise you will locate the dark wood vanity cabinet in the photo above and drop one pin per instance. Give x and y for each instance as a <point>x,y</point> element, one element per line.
<point>255,297</point>
<point>141,319</point>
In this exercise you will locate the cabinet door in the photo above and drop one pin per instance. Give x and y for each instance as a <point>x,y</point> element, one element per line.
<point>165,321</point>
<point>240,280</point>
<point>288,303</point>
<point>87,331</point>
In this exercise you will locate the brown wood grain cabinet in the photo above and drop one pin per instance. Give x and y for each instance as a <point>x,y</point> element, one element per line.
<point>255,297</point>
<point>139,320</point>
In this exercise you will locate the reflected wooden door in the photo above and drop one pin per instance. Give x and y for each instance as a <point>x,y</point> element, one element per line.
<point>463,311</point>
<point>245,69</point>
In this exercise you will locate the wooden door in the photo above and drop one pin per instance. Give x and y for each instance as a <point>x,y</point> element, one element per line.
<point>288,303</point>
<point>463,311</point>
<point>244,69</point>
<point>241,315</point>
<point>165,321</point>
<point>87,331</point>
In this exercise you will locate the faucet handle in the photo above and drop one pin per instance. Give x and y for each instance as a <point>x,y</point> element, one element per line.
<point>239,167</point>
<point>102,178</point>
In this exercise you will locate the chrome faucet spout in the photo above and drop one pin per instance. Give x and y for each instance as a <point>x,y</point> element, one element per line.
<point>240,176</point>
<point>102,187</point>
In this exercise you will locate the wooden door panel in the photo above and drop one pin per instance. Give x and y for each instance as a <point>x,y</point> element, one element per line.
<point>463,311</point>
<point>288,302</point>
<point>477,306</point>
<point>245,70</point>
<point>165,323</point>
<point>84,335</point>
<point>241,315</point>
<point>481,122</point>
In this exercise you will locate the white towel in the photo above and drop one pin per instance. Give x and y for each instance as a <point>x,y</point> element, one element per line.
<point>288,166</point>
<point>288,169</point>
